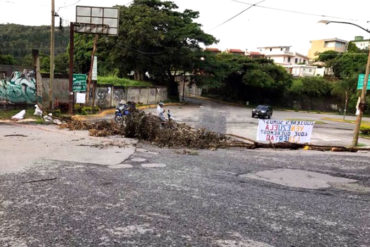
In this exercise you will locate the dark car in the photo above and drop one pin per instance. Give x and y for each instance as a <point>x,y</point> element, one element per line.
<point>262,111</point>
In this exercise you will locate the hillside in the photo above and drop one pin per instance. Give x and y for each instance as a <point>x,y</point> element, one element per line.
<point>19,40</point>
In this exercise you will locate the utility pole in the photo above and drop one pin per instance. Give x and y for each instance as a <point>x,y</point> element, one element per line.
<point>51,105</point>
<point>71,51</point>
<point>362,103</point>
<point>91,69</point>
<point>364,87</point>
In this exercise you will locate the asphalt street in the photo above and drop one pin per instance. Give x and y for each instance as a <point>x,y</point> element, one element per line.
<point>237,120</point>
<point>169,197</point>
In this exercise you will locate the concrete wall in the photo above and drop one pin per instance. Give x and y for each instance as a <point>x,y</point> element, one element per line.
<point>190,90</point>
<point>109,96</point>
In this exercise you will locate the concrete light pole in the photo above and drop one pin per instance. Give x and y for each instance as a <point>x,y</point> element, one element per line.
<point>364,87</point>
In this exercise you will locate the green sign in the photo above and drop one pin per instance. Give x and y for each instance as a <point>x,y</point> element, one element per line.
<point>360,84</point>
<point>79,82</point>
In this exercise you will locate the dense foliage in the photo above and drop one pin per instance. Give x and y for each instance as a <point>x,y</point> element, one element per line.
<point>241,78</point>
<point>18,40</point>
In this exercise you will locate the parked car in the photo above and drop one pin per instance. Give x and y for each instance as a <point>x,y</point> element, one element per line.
<point>262,111</point>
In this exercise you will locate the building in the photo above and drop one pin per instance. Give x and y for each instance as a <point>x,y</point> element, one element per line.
<point>361,43</point>
<point>283,56</point>
<point>254,54</point>
<point>235,52</point>
<point>213,50</point>
<point>295,63</point>
<point>319,46</point>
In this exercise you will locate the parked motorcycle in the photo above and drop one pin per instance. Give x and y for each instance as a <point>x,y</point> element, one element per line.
<point>121,113</point>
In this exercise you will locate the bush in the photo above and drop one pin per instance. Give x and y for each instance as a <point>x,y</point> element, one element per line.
<point>86,110</point>
<point>365,130</point>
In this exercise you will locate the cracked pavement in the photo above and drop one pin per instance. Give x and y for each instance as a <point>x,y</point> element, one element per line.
<point>148,196</point>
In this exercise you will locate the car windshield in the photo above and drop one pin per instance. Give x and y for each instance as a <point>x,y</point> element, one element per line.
<point>262,107</point>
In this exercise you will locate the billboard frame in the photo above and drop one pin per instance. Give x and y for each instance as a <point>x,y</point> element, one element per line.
<point>97,20</point>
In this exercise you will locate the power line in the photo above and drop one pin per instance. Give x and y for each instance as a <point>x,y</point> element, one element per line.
<point>295,11</point>
<point>233,17</point>
<point>68,5</point>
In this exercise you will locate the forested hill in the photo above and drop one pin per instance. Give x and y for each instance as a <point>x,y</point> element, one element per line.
<point>19,40</point>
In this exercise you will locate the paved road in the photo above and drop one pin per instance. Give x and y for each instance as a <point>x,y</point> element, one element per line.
<point>164,197</point>
<point>237,120</point>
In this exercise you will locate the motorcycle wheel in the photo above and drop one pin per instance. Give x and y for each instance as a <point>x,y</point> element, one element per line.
<point>118,119</point>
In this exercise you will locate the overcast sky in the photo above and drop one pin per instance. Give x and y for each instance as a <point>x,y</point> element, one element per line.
<point>256,27</point>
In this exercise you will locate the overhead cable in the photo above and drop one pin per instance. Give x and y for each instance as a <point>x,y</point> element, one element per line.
<point>296,11</point>
<point>233,17</point>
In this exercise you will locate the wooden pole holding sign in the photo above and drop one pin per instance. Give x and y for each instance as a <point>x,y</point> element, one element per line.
<point>91,69</point>
<point>362,103</point>
<point>71,46</point>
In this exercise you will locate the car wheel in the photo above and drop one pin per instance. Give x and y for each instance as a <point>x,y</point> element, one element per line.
<point>268,116</point>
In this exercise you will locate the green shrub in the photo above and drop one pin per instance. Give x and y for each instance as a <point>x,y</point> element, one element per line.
<point>365,130</point>
<point>57,113</point>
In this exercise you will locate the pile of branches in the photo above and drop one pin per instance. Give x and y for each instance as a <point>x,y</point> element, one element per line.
<point>101,128</point>
<point>144,126</point>
<point>150,128</point>
<point>170,133</point>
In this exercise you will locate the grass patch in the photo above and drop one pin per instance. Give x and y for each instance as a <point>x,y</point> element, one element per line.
<point>8,113</point>
<point>363,123</point>
<point>301,119</point>
<point>122,82</point>
<point>361,145</point>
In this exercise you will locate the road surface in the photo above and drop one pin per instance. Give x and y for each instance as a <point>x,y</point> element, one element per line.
<point>63,188</point>
<point>238,121</point>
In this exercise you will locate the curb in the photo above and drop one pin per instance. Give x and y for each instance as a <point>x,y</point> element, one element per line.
<point>112,110</point>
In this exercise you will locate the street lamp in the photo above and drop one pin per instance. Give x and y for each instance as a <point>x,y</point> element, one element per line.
<point>364,87</point>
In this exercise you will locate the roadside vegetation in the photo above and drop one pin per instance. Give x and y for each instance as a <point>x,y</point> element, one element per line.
<point>122,82</point>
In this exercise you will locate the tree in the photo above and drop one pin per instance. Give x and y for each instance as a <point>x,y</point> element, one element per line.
<point>154,37</point>
<point>344,89</point>
<point>7,59</point>
<point>242,78</point>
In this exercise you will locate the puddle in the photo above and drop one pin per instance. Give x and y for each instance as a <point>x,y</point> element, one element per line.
<point>299,178</point>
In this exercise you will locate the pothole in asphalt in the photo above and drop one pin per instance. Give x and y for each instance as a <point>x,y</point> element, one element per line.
<point>299,178</point>
<point>153,165</point>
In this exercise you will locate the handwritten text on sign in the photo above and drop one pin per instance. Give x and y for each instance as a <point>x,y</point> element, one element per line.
<point>284,131</point>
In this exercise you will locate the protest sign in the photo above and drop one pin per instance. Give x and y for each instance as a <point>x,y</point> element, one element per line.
<point>284,131</point>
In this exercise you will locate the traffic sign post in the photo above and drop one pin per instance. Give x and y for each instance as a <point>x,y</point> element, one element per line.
<point>360,83</point>
<point>79,83</point>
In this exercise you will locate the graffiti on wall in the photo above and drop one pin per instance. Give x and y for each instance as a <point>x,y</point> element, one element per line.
<point>20,88</point>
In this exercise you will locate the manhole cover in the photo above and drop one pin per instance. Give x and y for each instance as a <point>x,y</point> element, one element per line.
<point>298,178</point>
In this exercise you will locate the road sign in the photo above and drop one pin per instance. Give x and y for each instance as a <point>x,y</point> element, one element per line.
<point>360,83</point>
<point>79,82</point>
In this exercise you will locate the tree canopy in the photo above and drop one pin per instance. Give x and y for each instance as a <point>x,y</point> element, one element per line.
<point>154,37</point>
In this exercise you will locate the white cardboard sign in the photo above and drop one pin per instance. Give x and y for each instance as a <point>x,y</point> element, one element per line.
<point>284,131</point>
<point>80,98</point>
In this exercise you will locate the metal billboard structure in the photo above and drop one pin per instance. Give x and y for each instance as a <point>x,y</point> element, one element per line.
<point>90,20</point>
<point>97,20</point>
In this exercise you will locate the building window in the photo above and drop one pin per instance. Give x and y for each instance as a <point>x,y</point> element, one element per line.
<point>296,60</point>
<point>304,61</point>
<point>270,49</point>
<point>288,59</point>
